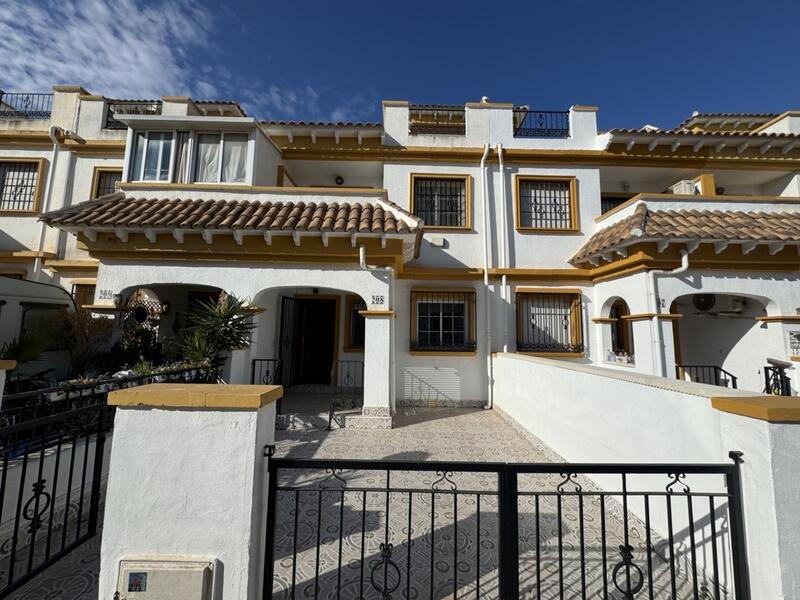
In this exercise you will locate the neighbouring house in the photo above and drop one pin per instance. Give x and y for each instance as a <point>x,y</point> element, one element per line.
<point>399,256</point>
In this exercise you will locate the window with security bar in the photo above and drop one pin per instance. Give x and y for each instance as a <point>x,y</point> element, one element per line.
<point>107,182</point>
<point>549,322</point>
<point>443,321</point>
<point>546,204</point>
<point>18,181</point>
<point>355,324</point>
<point>83,294</point>
<point>441,201</point>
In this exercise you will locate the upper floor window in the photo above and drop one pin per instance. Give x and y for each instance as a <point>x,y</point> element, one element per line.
<point>19,185</point>
<point>443,320</point>
<point>105,182</point>
<point>442,201</point>
<point>152,156</point>
<point>221,157</point>
<point>549,322</point>
<point>547,203</point>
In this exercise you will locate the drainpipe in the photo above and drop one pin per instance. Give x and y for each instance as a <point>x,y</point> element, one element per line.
<point>362,260</point>
<point>54,132</point>
<point>655,308</point>
<point>503,249</point>
<point>485,211</point>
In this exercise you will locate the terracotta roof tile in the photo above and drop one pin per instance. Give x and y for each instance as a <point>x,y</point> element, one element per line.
<point>117,210</point>
<point>693,224</point>
<point>682,131</point>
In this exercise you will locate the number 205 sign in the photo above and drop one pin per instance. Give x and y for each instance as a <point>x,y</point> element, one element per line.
<point>378,300</point>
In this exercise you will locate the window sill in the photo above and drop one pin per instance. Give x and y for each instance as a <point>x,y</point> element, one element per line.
<point>570,231</point>
<point>554,354</point>
<point>442,353</point>
<point>452,228</point>
<point>620,364</point>
<point>19,213</point>
<point>355,350</point>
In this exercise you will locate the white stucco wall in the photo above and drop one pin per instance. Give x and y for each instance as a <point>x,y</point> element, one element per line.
<point>594,414</point>
<point>188,483</point>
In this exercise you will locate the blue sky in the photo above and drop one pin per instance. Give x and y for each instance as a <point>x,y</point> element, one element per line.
<point>640,62</point>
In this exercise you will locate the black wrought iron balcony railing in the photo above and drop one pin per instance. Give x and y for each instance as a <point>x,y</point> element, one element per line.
<point>434,119</point>
<point>541,123</point>
<point>25,106</point>
<point>710,374</point>
<point>129,107</point>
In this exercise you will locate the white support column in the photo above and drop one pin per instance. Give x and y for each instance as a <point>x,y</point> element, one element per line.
<point>378,342</point>
<point>188,480</point>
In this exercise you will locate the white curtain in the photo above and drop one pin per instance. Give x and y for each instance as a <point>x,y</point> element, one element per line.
<point>234,158</point>
<point>207,157</point>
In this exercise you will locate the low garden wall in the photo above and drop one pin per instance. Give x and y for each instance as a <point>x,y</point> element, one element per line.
<point>593,414</point>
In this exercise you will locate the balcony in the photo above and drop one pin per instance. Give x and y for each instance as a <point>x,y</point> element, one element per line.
<point>25,106</point>
<point>129,107</point>
<point>541,123</point>
<point>436,119</point>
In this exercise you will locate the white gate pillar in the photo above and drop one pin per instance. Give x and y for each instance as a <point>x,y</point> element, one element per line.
<point>378,379</point>
<point>187,482</point>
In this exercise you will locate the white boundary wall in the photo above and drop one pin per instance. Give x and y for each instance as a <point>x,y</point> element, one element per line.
<point>594,414</point>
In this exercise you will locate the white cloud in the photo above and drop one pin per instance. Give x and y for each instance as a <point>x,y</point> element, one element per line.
<point>147,49</point>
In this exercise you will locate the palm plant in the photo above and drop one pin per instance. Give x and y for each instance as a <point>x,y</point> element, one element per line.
<point>222,326</point>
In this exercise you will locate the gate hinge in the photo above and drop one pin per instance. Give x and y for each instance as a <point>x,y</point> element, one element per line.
<point>269,450</point>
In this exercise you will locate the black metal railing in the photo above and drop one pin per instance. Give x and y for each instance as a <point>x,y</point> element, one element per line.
<point>36,404</point>
<point>710,374</point>
<point>25,106</point>
<point>129,107</point>
<point>411,529</point>
<point>443,321</point>
<point>776,381</point>
<point>50,489</point>
<point>541,123</point>
<point>347,387</point>
<point>549,323</point>
<point>267,371</point>
<point>608,203</point>
<point>449,120</point>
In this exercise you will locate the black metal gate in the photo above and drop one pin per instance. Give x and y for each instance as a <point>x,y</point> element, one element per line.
<point>288,348</point>
<point>406,529</point>
<point>50,489</point>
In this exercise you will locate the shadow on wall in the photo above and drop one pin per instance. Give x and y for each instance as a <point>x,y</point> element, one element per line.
<point>432,385</point>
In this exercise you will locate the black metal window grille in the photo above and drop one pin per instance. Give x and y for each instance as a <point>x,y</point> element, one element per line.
<point>449,120</point>
<point>608,203</point>
<point>549,322</point>
<point>129,107</point>
<point>107,182</point>
<point>441,202</point>
<point>545,204</point>
<point>443,321</point>
<point>541,123</point>
<point>25,106</point>
<point>18,185</point>
<point>83,294</point>
<point>794,343</point>
<point>411,529</point>
<point>357,323</point>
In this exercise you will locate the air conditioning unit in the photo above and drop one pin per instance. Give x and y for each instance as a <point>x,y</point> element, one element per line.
<point>718,304</point>
<point>685,187</point>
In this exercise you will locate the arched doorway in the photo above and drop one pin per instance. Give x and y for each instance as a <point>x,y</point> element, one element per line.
<point>622,345</point>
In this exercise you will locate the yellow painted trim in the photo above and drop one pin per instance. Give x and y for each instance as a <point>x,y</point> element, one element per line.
<point>71,265</point>
<point>604,320</point>
<point>102,308</point>
<point>176,99</point>
<point>96,177</point>
<point>23,256</point>
<point>37,195</point>
<point>369,314</point>
<point>506,105</point>
<point>467,193</point>
<point>350,300</point>
<point>7,365</point>
<point>196,395</point>
<point>84,281</point>
<point>91,97</point>
<point>707,184</point>
<point>441,274</point>
<point>217,187</point>
<point>395,103</point>
<point>583,108</point>
<point>573,204</point>
<point>437,353</point>
<point>780,117</point>
<point>779,319</point>
<point>647,316</point>
<point>765,408</point>
<point>96,148</point>
<point>794,358</point>
<point>70,89</point>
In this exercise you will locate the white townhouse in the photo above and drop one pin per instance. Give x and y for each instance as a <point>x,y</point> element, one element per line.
<point>401,255</point>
